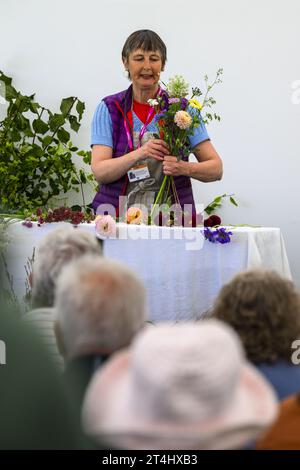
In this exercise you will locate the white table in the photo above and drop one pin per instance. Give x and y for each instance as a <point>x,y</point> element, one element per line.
<point>182,272</point>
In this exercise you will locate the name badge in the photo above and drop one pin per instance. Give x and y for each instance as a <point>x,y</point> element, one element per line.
<point>138,172</point>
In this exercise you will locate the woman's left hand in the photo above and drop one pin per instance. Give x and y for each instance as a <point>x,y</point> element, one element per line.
<point>172,166</point>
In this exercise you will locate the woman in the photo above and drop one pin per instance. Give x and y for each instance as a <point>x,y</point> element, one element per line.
<point>126,159</point>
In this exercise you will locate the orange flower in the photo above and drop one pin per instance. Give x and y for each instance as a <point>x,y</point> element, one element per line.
<point>161,124</point>
<point>133,215</point>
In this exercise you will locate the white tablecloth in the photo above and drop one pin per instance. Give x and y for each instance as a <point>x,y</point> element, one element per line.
<point>182,272</point>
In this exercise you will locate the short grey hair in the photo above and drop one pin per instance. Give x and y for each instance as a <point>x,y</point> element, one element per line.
<point>56,250</point>
<point>146,40</point>
<point>100,305</point>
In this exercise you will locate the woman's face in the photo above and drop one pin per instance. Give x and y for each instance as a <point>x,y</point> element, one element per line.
<point>144,68</point>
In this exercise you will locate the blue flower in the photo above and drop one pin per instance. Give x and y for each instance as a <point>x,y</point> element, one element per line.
<point>209,235</point>
<point>220,235</point>
<point>157,117</point>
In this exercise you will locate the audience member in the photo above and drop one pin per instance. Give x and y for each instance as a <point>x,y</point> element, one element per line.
<point>264,309</point>
<point>56,249</point>
<point>36,410</point>
<point>100,306</point>
<point>284,434</point>
<point>183,386</point>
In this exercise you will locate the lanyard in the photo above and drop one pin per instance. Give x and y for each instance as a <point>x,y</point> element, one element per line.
<point>126,125</point>
<point>144,127</point>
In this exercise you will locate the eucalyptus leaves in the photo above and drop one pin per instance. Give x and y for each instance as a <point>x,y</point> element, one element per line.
<point>36,150</point>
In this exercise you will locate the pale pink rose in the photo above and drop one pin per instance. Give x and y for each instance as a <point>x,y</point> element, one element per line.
<point>133,215</point>
<point>183,119</point>
<point>105,226</point>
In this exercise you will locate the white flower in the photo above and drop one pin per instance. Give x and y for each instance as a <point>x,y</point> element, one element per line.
<point>177,87</point>
<point>152,102</point>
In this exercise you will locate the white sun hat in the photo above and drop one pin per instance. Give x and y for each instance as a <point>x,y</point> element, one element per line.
<point>183,386</point>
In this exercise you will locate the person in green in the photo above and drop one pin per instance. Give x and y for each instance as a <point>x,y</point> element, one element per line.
<point>35,408</point>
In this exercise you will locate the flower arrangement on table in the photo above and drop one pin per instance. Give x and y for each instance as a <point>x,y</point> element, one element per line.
<point>106,225</point>
<point>213,231</point>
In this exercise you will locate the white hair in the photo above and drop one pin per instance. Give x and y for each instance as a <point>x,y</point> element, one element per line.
<point>100,306</point>
<point>56,250</point>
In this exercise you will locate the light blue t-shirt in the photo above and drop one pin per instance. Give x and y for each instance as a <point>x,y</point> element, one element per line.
<point>102,129</point>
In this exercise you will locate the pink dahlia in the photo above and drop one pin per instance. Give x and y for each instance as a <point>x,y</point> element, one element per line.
<point>183,119</point>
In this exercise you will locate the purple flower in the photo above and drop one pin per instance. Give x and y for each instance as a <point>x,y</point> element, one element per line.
<point>222,236</point>
<point>164,104</point>
<point>209,235</point>
<point>27,223</point>
<point>157,117</point>
<point>173,100</point>
<point>184,103</point>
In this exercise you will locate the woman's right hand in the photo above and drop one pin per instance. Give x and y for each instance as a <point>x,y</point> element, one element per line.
<point>154,148</point>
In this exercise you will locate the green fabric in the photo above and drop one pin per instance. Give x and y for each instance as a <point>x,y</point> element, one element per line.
<point>36,411</point>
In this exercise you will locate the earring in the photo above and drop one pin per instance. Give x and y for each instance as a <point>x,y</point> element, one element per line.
<point>126,73</point>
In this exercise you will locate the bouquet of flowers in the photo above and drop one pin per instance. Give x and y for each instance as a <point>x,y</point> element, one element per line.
<point>176,120</point>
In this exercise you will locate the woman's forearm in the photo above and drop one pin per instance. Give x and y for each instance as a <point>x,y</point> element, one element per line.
<point>209,170</point>
<point>110,170</point>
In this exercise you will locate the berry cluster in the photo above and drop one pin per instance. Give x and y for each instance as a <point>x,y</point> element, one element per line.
<point>60,214</point>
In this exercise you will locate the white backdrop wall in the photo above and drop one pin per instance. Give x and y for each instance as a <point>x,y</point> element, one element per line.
<point>62,48</point>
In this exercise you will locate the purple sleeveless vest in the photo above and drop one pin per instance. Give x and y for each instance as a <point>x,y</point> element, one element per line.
<point>109,193</point>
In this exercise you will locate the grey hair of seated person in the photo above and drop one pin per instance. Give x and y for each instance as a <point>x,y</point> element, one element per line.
<point>100,305</point>
<point>57,249</point>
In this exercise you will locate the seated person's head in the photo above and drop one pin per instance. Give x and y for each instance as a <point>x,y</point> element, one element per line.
<point>100,305</point>
<point>264,309</point>
<point>183,386</point>
<point>57,249</point>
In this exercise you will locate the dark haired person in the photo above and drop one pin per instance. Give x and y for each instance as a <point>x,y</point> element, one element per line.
<point>264,309</point>
<point>126,158</point>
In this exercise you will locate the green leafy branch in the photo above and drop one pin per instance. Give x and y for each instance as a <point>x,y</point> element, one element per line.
<point>209,101</point>
<point>217,202</point>
<point>36,153</point>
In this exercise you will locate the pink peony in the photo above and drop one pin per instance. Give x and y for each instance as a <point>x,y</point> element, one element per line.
<point>105,226</point>
<point>183,119</point>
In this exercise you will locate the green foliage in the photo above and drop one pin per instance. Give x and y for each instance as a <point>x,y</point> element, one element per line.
<point>209,101</point>
<point>217,202</point>
<point>36,152</point>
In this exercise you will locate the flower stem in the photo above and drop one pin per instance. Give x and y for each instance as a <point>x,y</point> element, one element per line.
<point>158,197</point>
